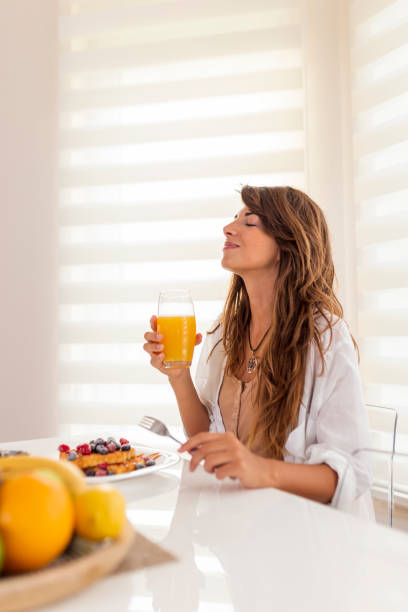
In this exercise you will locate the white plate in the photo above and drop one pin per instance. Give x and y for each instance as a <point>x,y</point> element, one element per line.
<point>165,460</point>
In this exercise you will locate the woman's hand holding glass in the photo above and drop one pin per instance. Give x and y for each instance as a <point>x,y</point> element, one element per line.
<point>225,456</point>
<point>155,348</point>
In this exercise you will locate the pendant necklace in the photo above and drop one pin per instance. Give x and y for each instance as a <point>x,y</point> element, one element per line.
<point>253,361</point>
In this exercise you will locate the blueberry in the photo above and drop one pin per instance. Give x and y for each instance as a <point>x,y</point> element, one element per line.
<point>117,445</point>
<point>92,447</point>
<point>91,441</point>
<point>72,456</point>
<point>99,441</point>
<point>111,473</point>
<point>110,439</point>
<point>102,450</point>
<point>90,472</point>
<point>150,462</point>
<point>139,466</point>
<point>125,447</point>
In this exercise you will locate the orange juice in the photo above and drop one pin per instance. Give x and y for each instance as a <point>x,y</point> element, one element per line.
<point>179,334</point>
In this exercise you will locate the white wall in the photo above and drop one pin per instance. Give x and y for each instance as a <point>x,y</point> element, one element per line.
<point>28,113</point>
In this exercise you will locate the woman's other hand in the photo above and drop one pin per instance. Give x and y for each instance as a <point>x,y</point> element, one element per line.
<point>155,349</point>
<point>225,456</point>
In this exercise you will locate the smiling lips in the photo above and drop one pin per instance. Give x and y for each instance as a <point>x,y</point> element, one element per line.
<point>230,245</point>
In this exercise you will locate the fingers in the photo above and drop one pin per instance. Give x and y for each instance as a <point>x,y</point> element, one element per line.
<point>153,322</point>
<point>201,438</point>
<point>199,338</point>
<point>206,450</point>
<point>216,460</point>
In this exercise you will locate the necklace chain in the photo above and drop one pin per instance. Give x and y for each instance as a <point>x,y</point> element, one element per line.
<point>253,361</point>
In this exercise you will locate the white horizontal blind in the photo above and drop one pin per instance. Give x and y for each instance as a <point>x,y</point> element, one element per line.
<point>166,109</point>
<point>379,59</point>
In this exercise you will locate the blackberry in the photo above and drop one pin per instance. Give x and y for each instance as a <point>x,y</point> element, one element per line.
<point>102,450</point>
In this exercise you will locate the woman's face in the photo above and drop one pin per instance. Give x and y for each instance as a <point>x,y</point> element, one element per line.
<point>247,247</point>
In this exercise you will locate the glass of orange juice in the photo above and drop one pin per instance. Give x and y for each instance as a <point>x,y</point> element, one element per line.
<point>176,322</point>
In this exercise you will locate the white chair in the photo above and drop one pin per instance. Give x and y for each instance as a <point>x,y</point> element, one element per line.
<point>383,424</point>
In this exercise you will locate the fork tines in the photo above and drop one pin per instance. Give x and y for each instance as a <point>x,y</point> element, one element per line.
<point>146,422</point>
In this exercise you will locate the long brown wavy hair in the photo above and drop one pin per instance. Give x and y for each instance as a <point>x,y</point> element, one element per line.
<point>304,298</point>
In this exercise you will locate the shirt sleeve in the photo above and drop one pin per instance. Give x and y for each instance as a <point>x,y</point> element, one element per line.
<point>341,422</point>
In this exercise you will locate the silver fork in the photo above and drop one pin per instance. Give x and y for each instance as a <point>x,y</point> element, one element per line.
<point>157,427</point>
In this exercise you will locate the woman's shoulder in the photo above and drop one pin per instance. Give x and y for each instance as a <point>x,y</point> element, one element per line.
<point>333,331</point>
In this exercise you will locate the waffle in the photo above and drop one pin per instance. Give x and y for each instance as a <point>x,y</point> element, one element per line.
<point>89,461</point>
<point>117,461</point>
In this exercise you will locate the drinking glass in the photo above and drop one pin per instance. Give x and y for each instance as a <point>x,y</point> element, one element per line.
<point>176,322</point>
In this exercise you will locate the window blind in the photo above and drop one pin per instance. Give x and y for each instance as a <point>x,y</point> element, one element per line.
<point>166,109</point>
<point>379,60</point>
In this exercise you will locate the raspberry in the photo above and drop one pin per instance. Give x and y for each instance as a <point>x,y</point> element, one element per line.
<point>103,466</point>
<point>123,441</point>
<point>84,449</point>
<point>64,448</point>
<point>111,447</point>
<point>100,473</point>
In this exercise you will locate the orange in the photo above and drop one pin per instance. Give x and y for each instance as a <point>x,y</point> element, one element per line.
<point>100,513</point>
<point>36,520</point>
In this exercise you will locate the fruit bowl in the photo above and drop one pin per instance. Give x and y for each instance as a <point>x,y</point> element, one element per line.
<point>82,563</point>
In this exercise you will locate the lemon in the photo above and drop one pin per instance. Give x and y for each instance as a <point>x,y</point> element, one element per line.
<point>100,512</point>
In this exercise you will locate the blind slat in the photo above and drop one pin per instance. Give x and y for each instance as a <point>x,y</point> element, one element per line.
<point>165,92</point>
<point>389,323</point>
<point>393,227</point>
<point>381,45</point>
<point>382,277</point>
<point>174,51</point>
<point>117,253</point>
<point>156,211</point>
<point>153,13</point>
<point>263,121</point>
<point>110,373</point>
<point>283,161</point>
<point>83,293</point>
<point>384,370</point>
<point>380,91</point>
<point>386,181</point>
<point>380,138</point>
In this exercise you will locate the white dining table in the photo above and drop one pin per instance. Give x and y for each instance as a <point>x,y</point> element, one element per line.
<point>242,550</point>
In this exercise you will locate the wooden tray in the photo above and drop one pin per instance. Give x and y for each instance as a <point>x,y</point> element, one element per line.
<point>83,563</point>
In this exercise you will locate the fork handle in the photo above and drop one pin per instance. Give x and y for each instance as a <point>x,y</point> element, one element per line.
<point>175,439</point>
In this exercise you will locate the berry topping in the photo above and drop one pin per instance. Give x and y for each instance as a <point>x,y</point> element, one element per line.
<point>139,466</point>
<point>72,456</point>
<point>111,447</point>
<point>150,462</point>
<point>84,449</point>
<point>64,448</point>
<point>123,441</point>
<point>103,466</point>
<point>90,472</point>
<point>92,447</point>
<point>102,450</point>
<point>110,439</point>
<point>99,441</point>
<point>125,447</point>
<point>100,473</point>
<point>111,473</point>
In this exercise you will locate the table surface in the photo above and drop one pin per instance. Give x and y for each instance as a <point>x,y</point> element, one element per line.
<point>244,550</point>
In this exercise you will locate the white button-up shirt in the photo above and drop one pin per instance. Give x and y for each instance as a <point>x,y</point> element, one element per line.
<point>332,420</point>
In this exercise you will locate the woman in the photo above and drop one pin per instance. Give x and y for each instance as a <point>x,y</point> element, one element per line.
<point>278,399</point>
